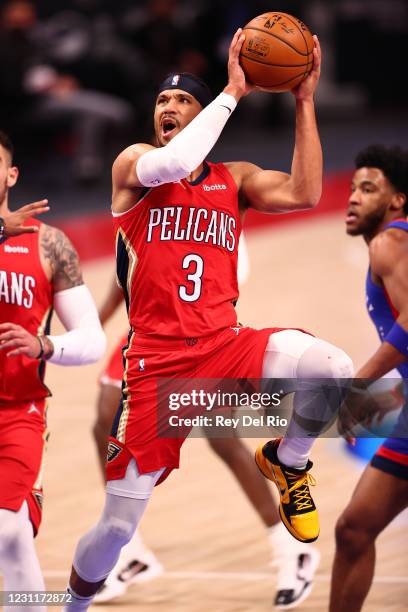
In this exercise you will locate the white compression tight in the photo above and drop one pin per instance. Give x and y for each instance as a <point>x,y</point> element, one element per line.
<point>294,354</point>
<point>99,549</point>
<point>18,559</point>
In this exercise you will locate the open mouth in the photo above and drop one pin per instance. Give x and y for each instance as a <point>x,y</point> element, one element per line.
<point>168,126</point>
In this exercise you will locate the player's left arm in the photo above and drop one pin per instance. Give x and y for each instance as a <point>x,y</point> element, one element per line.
<point>389,262</point>
<point>269,191</point>
<point>84,341</point>
<point>388,253</point>
<point>60,259</point>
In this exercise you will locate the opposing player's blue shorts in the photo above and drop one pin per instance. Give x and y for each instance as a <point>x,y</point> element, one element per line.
<point>392,456</point>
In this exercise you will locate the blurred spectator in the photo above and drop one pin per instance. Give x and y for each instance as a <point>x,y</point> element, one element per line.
<point>37,96</point>
<point>89,67</point>
<point>91,48</point>
<point>167,35</point>
<point>371,41</point>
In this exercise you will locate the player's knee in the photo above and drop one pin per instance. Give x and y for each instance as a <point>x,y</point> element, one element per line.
<point>342,365</point>
<point>117,529</point>
<point>323,360</point>
<point>14,534</point>
<point>353,535</point>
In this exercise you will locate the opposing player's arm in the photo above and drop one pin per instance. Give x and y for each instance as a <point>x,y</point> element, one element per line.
<point>389,264</point>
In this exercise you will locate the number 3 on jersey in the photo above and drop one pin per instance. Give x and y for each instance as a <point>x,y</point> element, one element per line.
<point>194,277</point>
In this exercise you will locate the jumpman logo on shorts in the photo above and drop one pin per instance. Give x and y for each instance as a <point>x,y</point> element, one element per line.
<point>33,409</point>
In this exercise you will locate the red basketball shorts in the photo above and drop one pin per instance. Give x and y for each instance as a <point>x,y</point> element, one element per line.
<point>232,353</point>
<point>23,434</point>
<point>113,373</point>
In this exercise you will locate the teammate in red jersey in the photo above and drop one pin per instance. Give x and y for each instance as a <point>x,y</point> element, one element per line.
<point>39,271</point>
<point>178,221</point>
<point>295,562</point>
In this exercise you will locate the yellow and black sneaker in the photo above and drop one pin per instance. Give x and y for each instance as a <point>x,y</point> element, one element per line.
<point>297,509</point>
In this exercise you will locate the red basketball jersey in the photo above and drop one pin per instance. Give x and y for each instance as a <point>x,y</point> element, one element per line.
<point>26,298</point>
<point>177,256</point>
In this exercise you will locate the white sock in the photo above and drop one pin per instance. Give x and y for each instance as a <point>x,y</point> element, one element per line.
<point>281,542</point>
<point>294,452</point>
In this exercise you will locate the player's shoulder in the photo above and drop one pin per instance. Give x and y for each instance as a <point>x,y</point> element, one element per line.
<point>54,240</point>
<point>241,170</point>
<point>131,154</point>
<point>387,248</point>
<point>50,232</point>
<point>390,239</point>
<point>124,177</point>
<point>60,258</point>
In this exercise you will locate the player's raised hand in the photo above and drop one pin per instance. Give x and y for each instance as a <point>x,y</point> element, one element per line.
<point>305,90</point>
<point>13,221</point>
<point>19,340</point>
<point>237,84</point>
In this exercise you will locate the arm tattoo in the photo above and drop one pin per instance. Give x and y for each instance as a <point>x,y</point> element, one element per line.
<point>58,250</point>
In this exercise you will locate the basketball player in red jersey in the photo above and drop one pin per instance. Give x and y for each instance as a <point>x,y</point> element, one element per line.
<point>178,221</point>
<point>39,271</point>
<point>377,211</point>
<point>295,562</point>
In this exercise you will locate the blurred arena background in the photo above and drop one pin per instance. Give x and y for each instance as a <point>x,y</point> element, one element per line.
<point>78,84</point>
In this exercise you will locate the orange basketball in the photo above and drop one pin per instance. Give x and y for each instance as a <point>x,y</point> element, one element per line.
<point>277,53</point>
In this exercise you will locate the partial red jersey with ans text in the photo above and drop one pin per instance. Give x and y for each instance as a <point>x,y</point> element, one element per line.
<point>26,299</point>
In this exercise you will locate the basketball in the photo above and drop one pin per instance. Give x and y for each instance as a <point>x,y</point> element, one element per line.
<point>277,53</point>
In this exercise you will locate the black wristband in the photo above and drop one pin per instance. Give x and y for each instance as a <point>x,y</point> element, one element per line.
<point>42,347</point>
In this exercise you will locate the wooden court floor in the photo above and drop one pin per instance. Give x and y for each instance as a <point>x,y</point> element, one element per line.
<point>212,544</point>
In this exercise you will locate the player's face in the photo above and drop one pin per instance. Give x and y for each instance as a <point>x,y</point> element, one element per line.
<point>370,198</point>
<point>174,110</point>
<point>8,174</point>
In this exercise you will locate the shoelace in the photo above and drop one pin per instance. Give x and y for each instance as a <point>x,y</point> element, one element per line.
<point>300,488</point>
